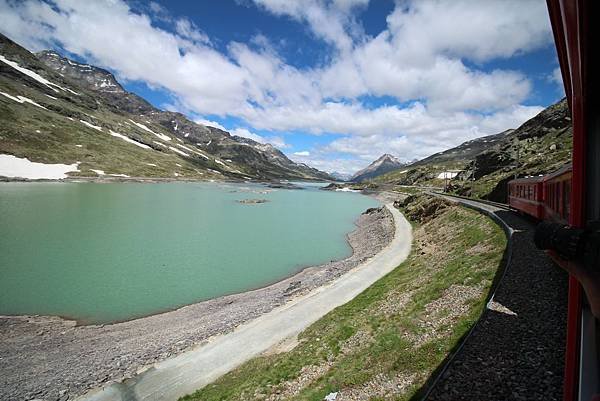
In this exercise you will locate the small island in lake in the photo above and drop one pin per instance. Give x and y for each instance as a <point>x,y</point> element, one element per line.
<point>252,201</point>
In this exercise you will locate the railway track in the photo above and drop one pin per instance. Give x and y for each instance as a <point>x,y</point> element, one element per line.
<point>481,201</point>
<point>515,351</point>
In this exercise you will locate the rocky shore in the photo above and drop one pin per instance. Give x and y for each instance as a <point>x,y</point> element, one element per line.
<point>49,358</point>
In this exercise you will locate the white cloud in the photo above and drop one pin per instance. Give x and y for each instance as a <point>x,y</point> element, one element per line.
<point>304,153</point>
<point>556,77</point>
<point>245,133</point>
<point>187,29</point>
<point>477,30</point>
<point>209,123</point>
<point>423,135</point>
<point>428,56</point>
<point>276,141</point>
<point>331,22</point>
<point>329,163</point>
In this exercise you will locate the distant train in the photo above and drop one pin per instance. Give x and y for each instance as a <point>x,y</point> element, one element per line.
<point>546,197</point>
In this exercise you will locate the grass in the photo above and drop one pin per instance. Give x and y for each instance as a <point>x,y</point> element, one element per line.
<point>384,344</point>
<point>48,136</point>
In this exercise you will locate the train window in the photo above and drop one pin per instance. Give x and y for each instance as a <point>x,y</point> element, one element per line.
<point>567,200</point>
<point>561,202</point>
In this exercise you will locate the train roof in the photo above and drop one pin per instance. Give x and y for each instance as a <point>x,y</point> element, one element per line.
<point>527,180</point>
<point>564,169</point>
<point>542,178</point>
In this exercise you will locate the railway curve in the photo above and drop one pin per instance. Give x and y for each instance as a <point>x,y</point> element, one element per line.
<point>515,351</point>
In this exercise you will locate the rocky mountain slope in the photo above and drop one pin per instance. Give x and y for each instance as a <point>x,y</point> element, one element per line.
<point>56,110</point>
<point>482,167</point>
<point>379,167</point>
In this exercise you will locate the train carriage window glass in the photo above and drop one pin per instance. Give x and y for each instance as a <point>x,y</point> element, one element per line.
<point>561,198</point>
<point>567,200</point>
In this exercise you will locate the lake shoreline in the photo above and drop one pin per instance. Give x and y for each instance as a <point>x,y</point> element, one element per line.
<point>55,358</point>
<point>150,180</point>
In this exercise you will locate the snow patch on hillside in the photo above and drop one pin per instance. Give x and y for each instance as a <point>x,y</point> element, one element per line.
<point>22,99</point>
<point>127,139</point>
<point>31,74</point>
<point>91,125</point>
<point>160,136</point>
<point>178,151</point>
<point>15,167</point>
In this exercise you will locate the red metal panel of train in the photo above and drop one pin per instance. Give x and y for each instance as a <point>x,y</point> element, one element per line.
<point>557,195</point>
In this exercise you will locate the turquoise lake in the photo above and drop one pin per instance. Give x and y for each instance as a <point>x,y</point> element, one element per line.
<point>102,253</point>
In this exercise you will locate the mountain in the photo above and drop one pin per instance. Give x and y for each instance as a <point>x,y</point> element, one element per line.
<point>481,167</point>
<point>340,176</point>
<point>56,110</point>
<point>380,166</point>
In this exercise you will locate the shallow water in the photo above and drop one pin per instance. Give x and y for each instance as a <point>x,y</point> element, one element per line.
<point>110,252</point>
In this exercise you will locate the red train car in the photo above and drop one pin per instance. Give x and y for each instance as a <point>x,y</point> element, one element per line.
<point>526,195</point>
<point>545,197</point>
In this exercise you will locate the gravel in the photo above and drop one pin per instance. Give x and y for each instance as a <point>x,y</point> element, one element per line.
<point>50,358</point>
<point>516,352</point>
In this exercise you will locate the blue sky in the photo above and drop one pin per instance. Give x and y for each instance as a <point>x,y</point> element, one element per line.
<point>332,83</point>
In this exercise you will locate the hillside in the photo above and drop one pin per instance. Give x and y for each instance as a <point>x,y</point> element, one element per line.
<point>56,110</point>
<point>379,167</point>
<point>482,167</point>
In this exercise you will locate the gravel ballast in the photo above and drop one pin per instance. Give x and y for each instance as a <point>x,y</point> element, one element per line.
<point>50,358</point>
<point>516,351</point>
